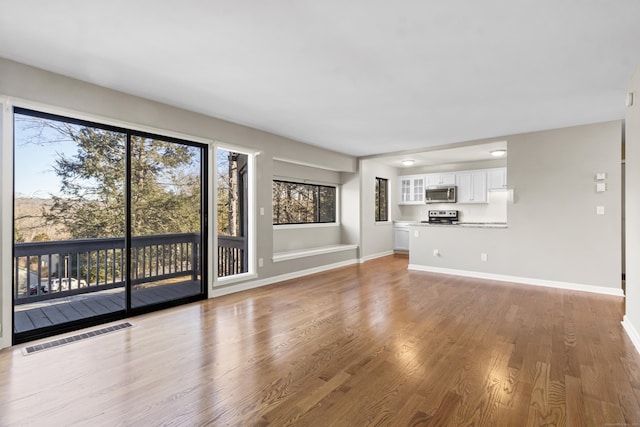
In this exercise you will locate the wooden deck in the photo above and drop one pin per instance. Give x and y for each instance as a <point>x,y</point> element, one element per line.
<point>68,309</point>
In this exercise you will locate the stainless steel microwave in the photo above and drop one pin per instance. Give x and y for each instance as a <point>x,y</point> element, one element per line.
<point>441,194</point>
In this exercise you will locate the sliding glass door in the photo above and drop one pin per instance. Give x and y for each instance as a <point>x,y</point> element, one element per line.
<point>107,222</point>
<point>165,220</point>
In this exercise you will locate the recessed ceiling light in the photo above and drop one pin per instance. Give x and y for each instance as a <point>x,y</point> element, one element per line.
<point>408,162</point>
<point>498,153</point>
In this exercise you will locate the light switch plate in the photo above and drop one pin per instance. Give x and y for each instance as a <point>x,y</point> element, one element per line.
<point>601,176</point>
<point>599,210</point>
<point>601,187</point>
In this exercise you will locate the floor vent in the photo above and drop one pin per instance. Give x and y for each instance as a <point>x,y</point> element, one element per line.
<point>68,340</point>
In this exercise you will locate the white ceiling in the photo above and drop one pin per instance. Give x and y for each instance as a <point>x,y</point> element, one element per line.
<point>360,77</point>
<point>445,156</point>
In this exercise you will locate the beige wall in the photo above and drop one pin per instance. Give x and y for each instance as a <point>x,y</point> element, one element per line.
<point>376,238</point>
<point>21,82</point>
<point>553,231</point>
<point>632,201</point>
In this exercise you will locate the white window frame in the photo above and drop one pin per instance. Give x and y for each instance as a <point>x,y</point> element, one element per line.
<point>251,211</point>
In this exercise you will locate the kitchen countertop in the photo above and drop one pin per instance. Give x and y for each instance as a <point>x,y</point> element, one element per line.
<point>458,225</point>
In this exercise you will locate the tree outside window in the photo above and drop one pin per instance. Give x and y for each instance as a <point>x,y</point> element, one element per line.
<point>382,202</point>
<point>298,203</point>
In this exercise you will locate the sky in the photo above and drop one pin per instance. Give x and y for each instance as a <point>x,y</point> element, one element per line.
<point>36,150</point>
<point>33,169</point>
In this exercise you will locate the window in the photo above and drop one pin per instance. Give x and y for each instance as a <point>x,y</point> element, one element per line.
<point>382,191</point>
<point>233,214</point>
<point>297,203</point>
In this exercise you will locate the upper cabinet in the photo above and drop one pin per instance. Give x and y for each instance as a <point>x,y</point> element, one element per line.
<point>441,179</point>
<point>497,179</point>
<point>411,189</point>
<point>472,186</point>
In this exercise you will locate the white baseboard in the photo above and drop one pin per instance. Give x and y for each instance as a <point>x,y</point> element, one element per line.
<point>230,289</point>
<point>631,332</point>
<point>524,280</point>
<point>374,256</point>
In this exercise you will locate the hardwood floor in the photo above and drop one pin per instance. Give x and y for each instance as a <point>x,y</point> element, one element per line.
<point>370,344</point>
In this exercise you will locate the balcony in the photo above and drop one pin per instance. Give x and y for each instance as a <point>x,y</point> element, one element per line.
<point>60,281</point>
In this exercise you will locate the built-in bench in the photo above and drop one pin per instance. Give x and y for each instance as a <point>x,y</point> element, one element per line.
<point>302,253</point>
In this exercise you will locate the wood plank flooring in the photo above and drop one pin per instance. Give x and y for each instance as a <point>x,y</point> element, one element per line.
<point>369,344</point>
<point>66,309</point>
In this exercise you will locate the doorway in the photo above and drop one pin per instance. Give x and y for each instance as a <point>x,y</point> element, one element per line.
<point>108,223</point>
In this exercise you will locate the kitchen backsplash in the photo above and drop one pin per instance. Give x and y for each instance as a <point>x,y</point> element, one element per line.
<point>494,211</point>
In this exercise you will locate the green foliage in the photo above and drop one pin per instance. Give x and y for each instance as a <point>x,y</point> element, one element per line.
<point>165,184</point>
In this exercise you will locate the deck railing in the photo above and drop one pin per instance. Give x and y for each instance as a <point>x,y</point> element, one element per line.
<point>232,255</point>
<point>46,270</point>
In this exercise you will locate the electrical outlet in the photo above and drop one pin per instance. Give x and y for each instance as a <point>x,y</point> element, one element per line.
<point>599,210</point>
<point>261,211</point>
<point>436,252</point>
<point>483,257</point>
<point>416,233</point>
<point>260,262</point>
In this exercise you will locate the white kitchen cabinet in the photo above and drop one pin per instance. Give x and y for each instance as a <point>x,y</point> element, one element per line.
<point>441,179</point>
<point>472,186</point>
<point>401,237</point>
<point>497,179</point>
<point>411,189</point>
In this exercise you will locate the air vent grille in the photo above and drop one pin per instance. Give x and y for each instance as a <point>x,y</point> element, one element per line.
<point>74,338</point>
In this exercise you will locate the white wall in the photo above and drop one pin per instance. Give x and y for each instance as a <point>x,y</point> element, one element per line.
<point>6,227</point>
<point>553,231</point>
<point>44,90</point>
<point>632,215</point>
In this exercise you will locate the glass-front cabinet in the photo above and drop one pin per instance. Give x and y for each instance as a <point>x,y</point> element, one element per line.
<point>411,189</point>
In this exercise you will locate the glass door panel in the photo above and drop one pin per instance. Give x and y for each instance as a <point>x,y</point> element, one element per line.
<point>69,222</point>
<point>166,204</point>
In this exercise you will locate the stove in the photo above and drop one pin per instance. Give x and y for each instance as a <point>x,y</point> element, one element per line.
<point>443,217</point>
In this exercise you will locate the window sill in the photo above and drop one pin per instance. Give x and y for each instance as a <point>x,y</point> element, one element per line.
<point>314,225</point>
<point>303,253</point>
<point>382,223</point>
<point>228,280</point>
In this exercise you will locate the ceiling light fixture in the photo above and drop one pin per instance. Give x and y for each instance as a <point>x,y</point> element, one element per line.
<point>408,162</point>
<point>498,153</point>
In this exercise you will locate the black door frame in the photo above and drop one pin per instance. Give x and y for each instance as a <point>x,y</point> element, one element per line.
<point>127,311</point>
